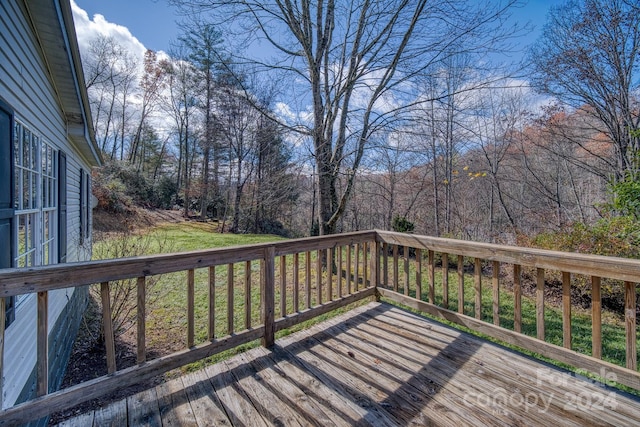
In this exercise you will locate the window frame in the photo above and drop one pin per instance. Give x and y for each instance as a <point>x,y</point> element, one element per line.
<point>36,201</point>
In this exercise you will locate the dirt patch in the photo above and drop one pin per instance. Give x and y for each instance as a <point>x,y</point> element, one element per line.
<point>133,219</point>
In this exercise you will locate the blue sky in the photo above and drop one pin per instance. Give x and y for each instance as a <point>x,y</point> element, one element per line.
<point>153,22</point>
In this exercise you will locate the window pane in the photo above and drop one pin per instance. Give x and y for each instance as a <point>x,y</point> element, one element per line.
<point>26,136</point>
<point>34,152</point>
<point>34,191</point>
<point>26,185</point>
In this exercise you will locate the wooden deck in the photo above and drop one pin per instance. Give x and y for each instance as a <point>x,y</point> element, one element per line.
<point>376,365</point>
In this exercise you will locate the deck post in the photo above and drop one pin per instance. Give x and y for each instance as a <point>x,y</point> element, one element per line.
<point>267,289</point>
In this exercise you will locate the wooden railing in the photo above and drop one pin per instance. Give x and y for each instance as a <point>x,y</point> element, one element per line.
<point>432,296</point>
<point>286,298</point>
<point>304,278</point>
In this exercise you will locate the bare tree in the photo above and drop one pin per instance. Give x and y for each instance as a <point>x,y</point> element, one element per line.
<point>151,85</point>
<point>588,54</point>
<point>180,104</point>
<point>110,74</point>
<point>352,62</point>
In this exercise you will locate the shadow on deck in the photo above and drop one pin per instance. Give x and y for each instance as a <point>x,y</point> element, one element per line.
<point>375,365</point>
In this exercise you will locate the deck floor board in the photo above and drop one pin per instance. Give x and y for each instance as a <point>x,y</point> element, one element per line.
<point>375,365</point>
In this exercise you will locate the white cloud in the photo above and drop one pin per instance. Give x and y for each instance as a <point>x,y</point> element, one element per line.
<point>88,29</point>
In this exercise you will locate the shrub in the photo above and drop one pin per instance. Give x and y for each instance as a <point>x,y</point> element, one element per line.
<point>402,225</point>
<point>612,236</point>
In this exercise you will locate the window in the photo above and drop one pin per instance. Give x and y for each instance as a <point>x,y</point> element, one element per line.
<point>35,199</point>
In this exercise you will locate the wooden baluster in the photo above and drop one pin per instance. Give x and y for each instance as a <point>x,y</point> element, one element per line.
<point>432,277</point>
<point>419,274</point>
<point>385,265</point>
<point>296,282</point>
<point>42,349</point>
<point>349,258</point>
<point>517,298</point>
<point>356,273</point>
<point>477,272</point>
<point>445,280</point>
<point>405,256</point>
<point>307,266</point>
<point>230,298</point>
<point>283,286</point>
<point>460,284</point>
<point>566,309</point>
<point>596,318</point>
<point>375,265</point>
<point>3,313</point>
<point>141,285</point>
<point>395,268</point>
<point>340,272</point>
<point>190,308</point>
<point>495,284</point>
<point>267,296</point>
<point>107,324</point>
<point>330,262</point>
<point>319,276</point>
<point>365,264</point>
<point>540,304</point>
<point>630,323</point>
<point>247,294</point>
<point>212,303</point>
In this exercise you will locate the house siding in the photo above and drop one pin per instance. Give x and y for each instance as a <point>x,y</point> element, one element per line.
<point>26,86</point>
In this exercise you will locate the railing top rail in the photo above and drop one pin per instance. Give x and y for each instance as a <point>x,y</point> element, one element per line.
<point>17,281</point>
<point>592,265</point>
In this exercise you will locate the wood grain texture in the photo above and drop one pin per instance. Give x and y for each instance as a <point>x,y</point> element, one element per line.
<point>378,365</point>
<point>432,276</point>
<point>230,298</point>
<point>418,274</point>
<point>141,319</point>
<point>540,330</point>
<point>566,309</point>
<point>460,267</point>
<point>267,291</point>
<point>42,346</point>
<point>624,269</point>
<point>191,313</point>
<point>445,280</point>
<point>596,318</point>
<point>630,298</point>
<point>623,375</point>
<point>107,326</point>
<point>396,267</point>
<point>495,286</point>
<point>296,282</point>
<point>211,324</point>
<point>405,257</point>
<point>477,284</point>
<point>247,294</point>
<point>517,298</point>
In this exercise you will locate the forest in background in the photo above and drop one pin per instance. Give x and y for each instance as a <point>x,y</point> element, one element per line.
<point>445,145</point>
